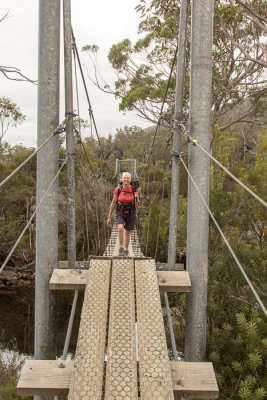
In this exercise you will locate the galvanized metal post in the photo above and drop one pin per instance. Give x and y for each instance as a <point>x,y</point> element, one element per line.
<point>178,118</point>
<point>69,134</point>
<point>197,216</point>
<point>47,167</point>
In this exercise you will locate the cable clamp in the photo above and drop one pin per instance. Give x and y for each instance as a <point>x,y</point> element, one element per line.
<point>63,161</point>
<point>70,114</point>
<point>175,153</point>
<point>60,129</point>
<point>181,155</point>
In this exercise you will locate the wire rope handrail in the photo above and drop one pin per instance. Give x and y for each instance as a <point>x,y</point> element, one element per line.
<point>194,142</point>
<point>149,214</point>
<point>33,215</point>
<point>58,130</point>
<point>226,241</point>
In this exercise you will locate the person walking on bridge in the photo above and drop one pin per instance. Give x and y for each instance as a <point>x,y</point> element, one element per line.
<point>125,200</point>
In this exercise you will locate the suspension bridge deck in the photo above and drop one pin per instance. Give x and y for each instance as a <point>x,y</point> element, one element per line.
<point>121,350</point>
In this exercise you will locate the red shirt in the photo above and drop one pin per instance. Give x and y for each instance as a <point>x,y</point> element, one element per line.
<point>126,195</point>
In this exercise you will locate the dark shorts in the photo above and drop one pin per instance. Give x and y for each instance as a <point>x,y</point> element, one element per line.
<point>127,220</point>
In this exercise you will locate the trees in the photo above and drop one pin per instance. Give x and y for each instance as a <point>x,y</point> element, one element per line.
<point>240,60</point>
<point>10,115</point>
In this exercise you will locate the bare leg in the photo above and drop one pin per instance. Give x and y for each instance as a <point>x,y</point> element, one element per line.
<point>120,234</point>
<point>127,238</point>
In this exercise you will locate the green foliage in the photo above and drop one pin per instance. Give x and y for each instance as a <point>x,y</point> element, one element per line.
<point>10,115</point>
<point>9,374</point>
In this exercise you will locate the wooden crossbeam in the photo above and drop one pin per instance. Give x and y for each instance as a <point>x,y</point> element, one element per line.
<point>51,378</point>
<point>75,279</point>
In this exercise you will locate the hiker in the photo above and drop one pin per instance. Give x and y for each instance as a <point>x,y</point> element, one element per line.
<point>125,198</point>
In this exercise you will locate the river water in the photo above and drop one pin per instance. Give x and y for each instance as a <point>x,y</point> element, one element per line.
<point>17,321</point>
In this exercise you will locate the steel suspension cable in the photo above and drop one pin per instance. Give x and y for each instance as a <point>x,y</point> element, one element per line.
<point>87,95</point>
<point>163,103</point>
<point>60,129</point>
<point>194,142</point>
<point>160,214</point>
<point>33,215</point>
<point>81,169</point>
<point>226,241</point>
<point>148,228</point>
<point>93,198</point>
<point>169,318</point>
<point>69,330</point>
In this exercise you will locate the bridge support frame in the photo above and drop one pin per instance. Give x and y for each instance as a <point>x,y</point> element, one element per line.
<point>178,118</point>
<point>197,215</point>
<point>47,167</point>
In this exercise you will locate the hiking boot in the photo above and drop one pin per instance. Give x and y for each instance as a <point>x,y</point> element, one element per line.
<point>121,251</point>
<point>126,252</point>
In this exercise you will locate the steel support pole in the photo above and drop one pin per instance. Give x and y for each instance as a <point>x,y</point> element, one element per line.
<point>69,134</point>
<point>178,118</point>
<point>198,164</point>
<point>47,167</point>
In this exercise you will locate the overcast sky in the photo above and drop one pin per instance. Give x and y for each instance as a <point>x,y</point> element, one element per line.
<point>94,22</point>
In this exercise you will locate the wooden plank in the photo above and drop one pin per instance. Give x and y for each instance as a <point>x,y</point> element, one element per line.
<point>194,379</point>
<point>68,279</point>
<point>121,369</point>
<point>74,279</point>
<point>174,281</point>
<point>87,379</point>
<point>45,378</point>
<point>82,264</point>
<point>164,266</point>
<point>154,369</point>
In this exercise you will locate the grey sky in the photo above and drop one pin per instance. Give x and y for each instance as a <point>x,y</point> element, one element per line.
<point>94,22</point>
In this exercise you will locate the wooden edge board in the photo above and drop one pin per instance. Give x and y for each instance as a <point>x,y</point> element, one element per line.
<point>75,279</point>
<point>52,377</point>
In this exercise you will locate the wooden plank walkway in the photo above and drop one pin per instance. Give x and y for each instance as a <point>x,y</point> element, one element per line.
<point>50,378</point>
<point>121,369</point>
<point>121,351</point>
<point>87,378</point>
<point>75,279</point>
<point>155,374</point>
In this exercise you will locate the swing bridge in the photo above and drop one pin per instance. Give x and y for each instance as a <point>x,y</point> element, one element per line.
<point>121,350</point>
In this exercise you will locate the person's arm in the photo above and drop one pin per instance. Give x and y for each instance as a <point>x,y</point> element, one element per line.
<point>111,208</point>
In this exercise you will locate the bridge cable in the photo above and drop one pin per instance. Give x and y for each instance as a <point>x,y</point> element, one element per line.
<point>85,209</point>
<point>160,214</point>
<point>33,215</point>
<point>225,240</point>
<point>169,318</point>
<point>81,170</point>
<point>95,182</point>
<point>58,130</point>
<point>194,142</point>
<point>151,202</point>
<point>87,96</point>
<point>92,196</point>
<point>69,330</point>
<point>161,111</point>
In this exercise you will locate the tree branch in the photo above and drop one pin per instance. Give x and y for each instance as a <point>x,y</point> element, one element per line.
<point>251,11</point>
<point>13,70</point>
